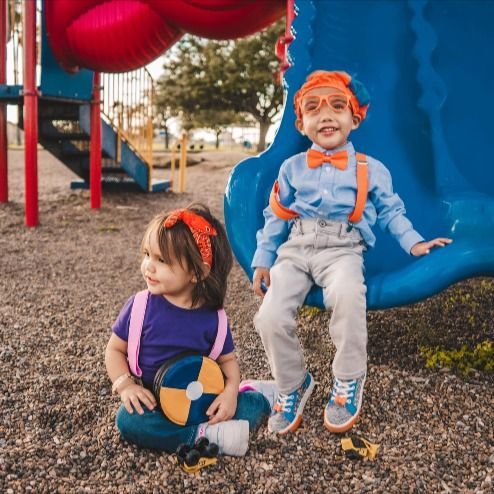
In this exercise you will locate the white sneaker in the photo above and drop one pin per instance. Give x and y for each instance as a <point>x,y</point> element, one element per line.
<point>268,389</point>
<point>231,436</point>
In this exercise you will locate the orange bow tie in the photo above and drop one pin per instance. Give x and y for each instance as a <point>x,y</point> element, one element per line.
<point>338,159</point>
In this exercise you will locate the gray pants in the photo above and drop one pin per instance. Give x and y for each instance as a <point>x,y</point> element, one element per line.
<point>324,253</point>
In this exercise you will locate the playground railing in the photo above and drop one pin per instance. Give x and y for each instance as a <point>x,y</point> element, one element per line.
<point>127,105</point>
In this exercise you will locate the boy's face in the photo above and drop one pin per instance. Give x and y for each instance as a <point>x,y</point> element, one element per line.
<point>327,118</point>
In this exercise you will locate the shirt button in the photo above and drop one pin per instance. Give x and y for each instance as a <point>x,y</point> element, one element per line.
<point>322,223</point>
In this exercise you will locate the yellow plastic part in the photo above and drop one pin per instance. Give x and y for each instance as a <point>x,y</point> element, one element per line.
<point>359,446</point>
<point>202,463</point>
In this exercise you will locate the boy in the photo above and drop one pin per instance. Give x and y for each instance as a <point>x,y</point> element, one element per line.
<point>317,225</point>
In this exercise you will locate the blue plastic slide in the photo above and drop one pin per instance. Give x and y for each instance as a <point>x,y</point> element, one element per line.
<point>429,69</point>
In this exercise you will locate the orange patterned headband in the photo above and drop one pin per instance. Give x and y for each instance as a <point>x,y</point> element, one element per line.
<point>200,228</point>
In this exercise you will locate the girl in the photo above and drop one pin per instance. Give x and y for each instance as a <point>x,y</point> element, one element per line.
<point>186,259</point>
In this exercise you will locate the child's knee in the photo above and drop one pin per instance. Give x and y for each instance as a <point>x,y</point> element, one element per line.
<point>122,419</point>
<point>253,407</point>
<point>347,292</point>
<point>269,322</point>
<point>127,423</point>
<point>265,323</point>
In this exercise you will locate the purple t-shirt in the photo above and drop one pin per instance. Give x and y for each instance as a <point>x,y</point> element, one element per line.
<point>169,330</point>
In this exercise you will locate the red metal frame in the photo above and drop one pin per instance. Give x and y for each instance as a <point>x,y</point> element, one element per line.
<point>95,145</point>
<point>30,115</point>
<point>4,175</point>
<point>290,14</point>
<point>283,41</point>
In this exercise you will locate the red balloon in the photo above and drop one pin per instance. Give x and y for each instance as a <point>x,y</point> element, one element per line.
<point>122,35</point>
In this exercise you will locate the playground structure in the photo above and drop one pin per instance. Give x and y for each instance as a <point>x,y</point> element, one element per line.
<point>428,68</point>
<point>423,62</point>
<point>88,109</point>
<point>108,142</point>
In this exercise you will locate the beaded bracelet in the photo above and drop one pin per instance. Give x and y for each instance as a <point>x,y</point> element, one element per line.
<point>118,381</point>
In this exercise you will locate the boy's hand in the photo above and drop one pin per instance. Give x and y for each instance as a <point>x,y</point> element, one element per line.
<point>133,395</point>
<point>224,407</point>
<point>260,275</point>
<point>424,248</point>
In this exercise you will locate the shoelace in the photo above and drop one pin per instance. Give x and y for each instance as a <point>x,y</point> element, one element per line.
<point>284,403</point>
<point>343,391</point>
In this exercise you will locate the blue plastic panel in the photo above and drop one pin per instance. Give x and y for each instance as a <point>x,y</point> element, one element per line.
<point>10,93</point>
<point>429,70</point>
<point>55,82</point>
<point>130,162</point>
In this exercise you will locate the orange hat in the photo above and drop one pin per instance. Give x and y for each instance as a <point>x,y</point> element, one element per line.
<point>359,97</point>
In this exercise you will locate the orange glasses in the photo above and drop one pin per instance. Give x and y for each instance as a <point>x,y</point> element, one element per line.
<point>337,102</point>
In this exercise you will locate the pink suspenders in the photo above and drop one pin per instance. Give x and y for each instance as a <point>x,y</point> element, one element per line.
<point>135,330</point>
<point>220,336</point>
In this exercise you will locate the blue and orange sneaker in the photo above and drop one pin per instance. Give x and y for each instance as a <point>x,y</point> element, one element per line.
<point>344,404</point>
<point>287,411</point>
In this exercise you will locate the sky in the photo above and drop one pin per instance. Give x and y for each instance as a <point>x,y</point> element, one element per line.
<point>156,68</point>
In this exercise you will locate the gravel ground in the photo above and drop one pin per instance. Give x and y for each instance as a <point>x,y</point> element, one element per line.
<point>63,284</point>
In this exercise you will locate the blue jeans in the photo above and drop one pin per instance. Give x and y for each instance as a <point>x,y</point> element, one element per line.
<point>152,430</point>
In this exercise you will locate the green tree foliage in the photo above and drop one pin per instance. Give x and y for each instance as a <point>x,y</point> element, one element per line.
<point>215,84</point>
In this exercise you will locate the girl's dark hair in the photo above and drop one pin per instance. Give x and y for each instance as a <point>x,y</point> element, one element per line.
<point>177,242</point>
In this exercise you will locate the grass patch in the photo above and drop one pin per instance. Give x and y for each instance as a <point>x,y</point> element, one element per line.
<point>309,312</point>
<point>464,359</point>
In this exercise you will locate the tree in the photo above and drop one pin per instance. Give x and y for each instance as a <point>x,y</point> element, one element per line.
<point>222,78</point>
<point>161,119</point>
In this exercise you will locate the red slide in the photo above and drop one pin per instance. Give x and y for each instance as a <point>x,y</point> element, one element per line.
<point>122,35</point>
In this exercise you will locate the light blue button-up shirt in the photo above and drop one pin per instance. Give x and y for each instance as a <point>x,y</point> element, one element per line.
<point>329,193</point>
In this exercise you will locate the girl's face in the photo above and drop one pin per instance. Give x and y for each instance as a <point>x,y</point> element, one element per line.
<point>171,281</point>
<point>329,123</point>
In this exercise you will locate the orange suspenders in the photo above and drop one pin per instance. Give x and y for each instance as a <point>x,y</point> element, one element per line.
<point>362,190</point>
<point>278,208</point>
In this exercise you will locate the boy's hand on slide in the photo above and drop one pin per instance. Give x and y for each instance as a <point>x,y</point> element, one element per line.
<point>424,248</point>
<point>260,275</point>
<point>133,395</point>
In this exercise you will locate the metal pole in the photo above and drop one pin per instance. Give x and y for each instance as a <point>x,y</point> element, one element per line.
<point>95,151</point>
<point>30,115</point>
<point>4,165</point>
<point>183,163</point>
<point>172,169</point>
<point>290,15</point>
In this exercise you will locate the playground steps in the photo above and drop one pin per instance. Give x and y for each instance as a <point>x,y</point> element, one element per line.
<point>64,131</point>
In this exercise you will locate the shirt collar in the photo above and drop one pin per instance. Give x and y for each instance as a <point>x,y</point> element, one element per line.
<point>348,147</point>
